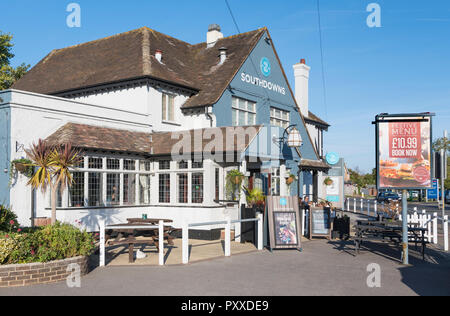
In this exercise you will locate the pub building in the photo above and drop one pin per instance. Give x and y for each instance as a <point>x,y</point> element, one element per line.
<point>144,108</point>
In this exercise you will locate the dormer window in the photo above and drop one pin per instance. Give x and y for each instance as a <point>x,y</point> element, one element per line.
<point>168,107</point>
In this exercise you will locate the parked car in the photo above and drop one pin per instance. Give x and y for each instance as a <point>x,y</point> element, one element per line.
<point>387,197</point>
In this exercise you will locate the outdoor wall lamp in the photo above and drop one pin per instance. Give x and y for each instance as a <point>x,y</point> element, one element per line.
<point>291,136</point>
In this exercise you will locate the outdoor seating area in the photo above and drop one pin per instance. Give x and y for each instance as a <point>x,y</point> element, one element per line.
<point>122,243</point>
<point>390,232</point>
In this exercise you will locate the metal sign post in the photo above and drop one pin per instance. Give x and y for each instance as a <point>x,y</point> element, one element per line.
<point>405,255</point>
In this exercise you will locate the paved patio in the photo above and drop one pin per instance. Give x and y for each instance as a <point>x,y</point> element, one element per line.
<point>323,268</point>
<point>199,250</point>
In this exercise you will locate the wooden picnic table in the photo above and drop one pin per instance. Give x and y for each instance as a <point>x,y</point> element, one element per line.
<point>367,230</point>
<point>131,233</point>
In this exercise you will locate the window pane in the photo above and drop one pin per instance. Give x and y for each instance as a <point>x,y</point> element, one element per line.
<point>233,118</point>
<point>217,184</point>
<point>183,188</point>
<point>171,107</point>
<point>164,107</point>
<point>76,191</point>
<point>144,165</point>
<point>183,165</point>
<point>164,165</point>
<point>277,113</point>
<point>144,189</point>
<point>242,118</point>
<point>251,119</point>
<point>112,189</point>
<point>234,102</point>
<point>112,164</point>
<point>129,164</point>
<point>251,106</point>
<point>164,188</point>
<point>129,189</point>
<point>197,164</point>
<point>197,188</point>
<point>95,189</point>
<point>242,104</point>
<point>95,163</point>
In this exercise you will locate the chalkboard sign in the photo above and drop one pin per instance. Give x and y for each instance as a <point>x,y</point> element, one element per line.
<point>284,222</point>
<point>320,223</point>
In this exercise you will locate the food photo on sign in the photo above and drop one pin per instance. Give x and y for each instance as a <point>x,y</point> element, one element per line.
<point>405,153</point>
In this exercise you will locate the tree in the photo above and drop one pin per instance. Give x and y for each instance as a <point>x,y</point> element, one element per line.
<point>362,180</point>
<point>8,74</point>
<point>438,145</point>
<point>53,165</point>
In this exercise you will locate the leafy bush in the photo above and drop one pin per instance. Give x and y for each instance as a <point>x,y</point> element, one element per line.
<point>8,220</point>
<point>56,242</point>
<point>7,246</point>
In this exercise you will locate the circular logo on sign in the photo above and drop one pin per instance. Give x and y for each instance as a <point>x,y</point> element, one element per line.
<point>283,202</point>
<point>265,66</point>
<point>421,174</point>
<point>332,158</point>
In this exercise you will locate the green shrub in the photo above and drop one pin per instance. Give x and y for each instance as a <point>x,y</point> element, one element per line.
<point>7,246</point>
<point>61,241</point>
<point>56,242</point>
<point>8,220</point>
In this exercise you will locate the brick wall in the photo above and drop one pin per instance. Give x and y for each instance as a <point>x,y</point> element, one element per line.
<point>39,273</point>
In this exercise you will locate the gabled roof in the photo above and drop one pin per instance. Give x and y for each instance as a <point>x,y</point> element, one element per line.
<point>90,137</point>
<point>314,119</point>
<point>131,55</point>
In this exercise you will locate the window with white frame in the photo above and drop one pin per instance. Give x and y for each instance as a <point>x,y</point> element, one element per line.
<point>279,118</point>
<point>275,184</point>
<point>135,184</point>
<point>112,189</point>
<point>129,189</point>
<point>168,107</point>
<point>183,188</point>
<point>164,188</point>
<point>243,112</point>
<point>197,188</point>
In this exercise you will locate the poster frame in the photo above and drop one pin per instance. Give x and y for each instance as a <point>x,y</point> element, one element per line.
<point>399,118</point>
<point>330,223</point>
<point>290,207</point>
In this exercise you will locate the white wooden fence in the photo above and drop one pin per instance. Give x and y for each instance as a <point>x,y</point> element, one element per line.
<point>227,225</point>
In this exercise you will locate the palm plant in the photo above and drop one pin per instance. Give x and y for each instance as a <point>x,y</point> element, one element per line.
<point>53,164</point>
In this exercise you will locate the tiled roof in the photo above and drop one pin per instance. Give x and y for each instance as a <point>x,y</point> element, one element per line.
<point>131,55</point>
<point>95,137</point>
<point>315,119</point>
<point>101,138</point>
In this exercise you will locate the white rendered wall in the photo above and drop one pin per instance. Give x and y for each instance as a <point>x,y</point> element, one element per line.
<point>35,116</point>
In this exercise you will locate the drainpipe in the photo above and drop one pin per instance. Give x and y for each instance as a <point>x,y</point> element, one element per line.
<point>208,115</point>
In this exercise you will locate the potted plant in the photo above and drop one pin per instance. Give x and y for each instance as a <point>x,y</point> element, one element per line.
<point>291,179</point>
<point>255,198</point>
<point>234,181</point>
<point>23,166</point>
<point>328,181</point>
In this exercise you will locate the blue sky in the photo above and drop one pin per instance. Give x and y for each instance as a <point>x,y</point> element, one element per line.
<point>402,67</point>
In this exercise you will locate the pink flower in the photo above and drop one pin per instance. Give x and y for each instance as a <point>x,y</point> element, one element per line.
<point>11,222</point>
<point>6,236</point>
<point>19,230</point>
<point>32,252</point>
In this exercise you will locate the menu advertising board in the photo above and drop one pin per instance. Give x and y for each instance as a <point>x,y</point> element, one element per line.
<point>404,153</point>
<point>284,222</point>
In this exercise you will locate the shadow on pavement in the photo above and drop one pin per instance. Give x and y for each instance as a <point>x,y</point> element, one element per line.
<point>425,277</point>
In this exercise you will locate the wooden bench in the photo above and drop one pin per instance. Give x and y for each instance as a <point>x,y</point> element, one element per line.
<point>131,242</point>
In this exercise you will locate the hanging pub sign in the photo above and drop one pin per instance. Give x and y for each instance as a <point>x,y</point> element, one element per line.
<point>403,147</point>
<point>320,222</point>
<point>284,222</point>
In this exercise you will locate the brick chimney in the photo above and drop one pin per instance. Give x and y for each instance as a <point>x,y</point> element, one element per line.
<point>301,74</point>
